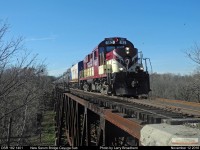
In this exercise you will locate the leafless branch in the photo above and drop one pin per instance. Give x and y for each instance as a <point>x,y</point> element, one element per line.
<point>21,106</point>
<point>194,53</point>
<point>22,87</point>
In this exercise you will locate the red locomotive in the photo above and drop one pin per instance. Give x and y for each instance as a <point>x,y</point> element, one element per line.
<point>113,67</point>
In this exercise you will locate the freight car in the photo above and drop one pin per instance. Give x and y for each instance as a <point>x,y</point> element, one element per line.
<point>114,67</point>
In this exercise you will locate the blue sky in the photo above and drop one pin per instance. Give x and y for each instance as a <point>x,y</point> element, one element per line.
<point>63,32</point>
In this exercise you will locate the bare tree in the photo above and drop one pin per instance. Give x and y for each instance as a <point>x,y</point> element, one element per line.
<point>194,54</point>
<point>195,87</point>
<point>173,86</point>
<point>23,84</point>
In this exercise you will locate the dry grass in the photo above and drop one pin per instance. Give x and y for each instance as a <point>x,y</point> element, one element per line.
<point>47,137</point>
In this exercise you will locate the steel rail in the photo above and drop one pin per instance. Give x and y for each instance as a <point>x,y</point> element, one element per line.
<point>130,105</point>
<point>155,103</point>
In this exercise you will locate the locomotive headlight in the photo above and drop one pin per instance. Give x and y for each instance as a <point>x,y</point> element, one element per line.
<point>141,68</point>
<point>127,50</point>
<point>120,69</point>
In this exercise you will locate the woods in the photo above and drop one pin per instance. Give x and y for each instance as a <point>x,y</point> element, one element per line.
<point>178,87</point>
<point>25,91</point>
<point>173,86</point>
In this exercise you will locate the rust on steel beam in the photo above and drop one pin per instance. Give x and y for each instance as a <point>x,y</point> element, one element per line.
<point>129,125</point>
<point>79,100</point>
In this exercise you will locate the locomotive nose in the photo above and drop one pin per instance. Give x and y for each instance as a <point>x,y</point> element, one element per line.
<point>133,83</point>
<point>127,61</point>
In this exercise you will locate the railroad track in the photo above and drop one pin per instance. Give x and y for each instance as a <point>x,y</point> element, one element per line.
<point>145,110</point>
<point>180,105</point>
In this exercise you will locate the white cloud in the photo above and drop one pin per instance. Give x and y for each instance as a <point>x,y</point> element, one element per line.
<point>40,39</point>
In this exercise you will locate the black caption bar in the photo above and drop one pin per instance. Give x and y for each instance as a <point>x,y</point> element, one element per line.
<point>98,147</point>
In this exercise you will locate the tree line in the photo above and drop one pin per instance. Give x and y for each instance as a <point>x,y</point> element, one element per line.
<point>172,86</point>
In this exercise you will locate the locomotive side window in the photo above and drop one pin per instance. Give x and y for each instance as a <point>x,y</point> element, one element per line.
<point>91,56</point>
<point>95,54</point>
<point>88,57</point>
<point>101,49</point>
<point>101,55</point>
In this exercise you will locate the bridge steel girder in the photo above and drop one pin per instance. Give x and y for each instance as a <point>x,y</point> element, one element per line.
<point>82,123</point>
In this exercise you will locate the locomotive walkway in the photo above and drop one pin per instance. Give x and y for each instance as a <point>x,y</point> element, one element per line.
<point>87,119</point>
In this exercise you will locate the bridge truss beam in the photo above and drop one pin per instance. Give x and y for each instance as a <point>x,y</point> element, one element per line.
<point>80,122</point>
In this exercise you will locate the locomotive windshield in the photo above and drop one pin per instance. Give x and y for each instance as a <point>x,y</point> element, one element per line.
<point>109,44</point>
<point>109,48</point>
<point>112,47</point>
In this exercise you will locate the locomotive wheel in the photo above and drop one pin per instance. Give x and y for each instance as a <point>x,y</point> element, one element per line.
<point>142,96</point>
<point>86,87</point>
<point>105,90</point>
